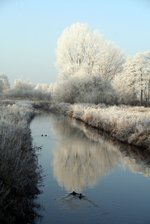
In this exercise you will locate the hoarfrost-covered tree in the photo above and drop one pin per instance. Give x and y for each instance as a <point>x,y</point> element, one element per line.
<point>4,84</point>
<point>92,89</point>
<point>42,87</point>
<point>22,89</point>
<point>110,61</point>
<point>82,50</point>
<point>21,85</point>
<point>133,84</point>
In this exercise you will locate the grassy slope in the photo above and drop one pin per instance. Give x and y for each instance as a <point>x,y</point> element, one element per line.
<point>127,124</point>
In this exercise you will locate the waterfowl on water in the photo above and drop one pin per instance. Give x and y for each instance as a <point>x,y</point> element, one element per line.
<point>74,193</point>
<point>79,195</point>
<point>43,135</point>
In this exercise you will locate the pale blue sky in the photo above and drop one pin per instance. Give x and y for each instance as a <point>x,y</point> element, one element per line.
<point>29,30</point>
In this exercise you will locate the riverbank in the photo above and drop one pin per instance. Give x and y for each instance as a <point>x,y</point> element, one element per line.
<point>19,170</point>
<point>124,123</point>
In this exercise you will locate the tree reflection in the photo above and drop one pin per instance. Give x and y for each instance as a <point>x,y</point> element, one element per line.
<point>135,159</point>
<point>78,161</point>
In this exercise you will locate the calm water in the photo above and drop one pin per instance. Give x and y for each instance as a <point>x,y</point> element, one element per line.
<point>114,179</point>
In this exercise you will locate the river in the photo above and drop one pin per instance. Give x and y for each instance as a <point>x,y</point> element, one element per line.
<point>110,181</point>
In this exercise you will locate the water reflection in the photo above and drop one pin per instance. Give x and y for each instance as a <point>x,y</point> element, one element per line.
<point>79,161</point>
<point>83,156</point>
<point>74,200</point>
<point>135,159</point>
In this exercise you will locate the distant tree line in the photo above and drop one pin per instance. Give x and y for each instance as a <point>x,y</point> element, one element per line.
<point>24,89</point>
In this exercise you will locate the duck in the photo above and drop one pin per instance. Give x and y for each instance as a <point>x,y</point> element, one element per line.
<point>74,193</point>
<point>79,195</point>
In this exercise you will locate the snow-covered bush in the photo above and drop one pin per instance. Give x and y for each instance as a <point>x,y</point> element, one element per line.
<point>89,89</point>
